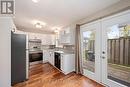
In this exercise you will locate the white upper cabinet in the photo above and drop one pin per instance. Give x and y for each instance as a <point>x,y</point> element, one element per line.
<point>66,36</point>
<point>47,39</point>
<point>34,36</point>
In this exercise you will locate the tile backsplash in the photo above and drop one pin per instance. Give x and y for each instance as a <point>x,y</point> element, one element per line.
<point>48,46</point>
<point>68,47</point>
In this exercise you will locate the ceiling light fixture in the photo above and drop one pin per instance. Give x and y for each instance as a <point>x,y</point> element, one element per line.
<point>38,25</point>
<point>35,1</point>
<point>56,30</point>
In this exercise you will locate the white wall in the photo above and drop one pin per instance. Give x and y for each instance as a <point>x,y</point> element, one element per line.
<point>5,51</point>
<point>117,7</point>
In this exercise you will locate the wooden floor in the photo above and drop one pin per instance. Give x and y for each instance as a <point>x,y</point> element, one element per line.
<point>45,75</point>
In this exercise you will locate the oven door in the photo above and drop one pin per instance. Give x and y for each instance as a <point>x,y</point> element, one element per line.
<point>33,57</point>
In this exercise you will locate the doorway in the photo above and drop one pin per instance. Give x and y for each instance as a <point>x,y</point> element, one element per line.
<point>105,47</point>
<point>90,48</point>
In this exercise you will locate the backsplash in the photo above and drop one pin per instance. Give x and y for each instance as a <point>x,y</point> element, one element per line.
<point>69,47</point>
<point>34,44</point>
<point>48,46</point>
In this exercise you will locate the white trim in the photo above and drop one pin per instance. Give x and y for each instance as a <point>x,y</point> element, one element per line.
<point>90,24</point>
<point>106,23</point>
<point>27,58</point>
<point>121,17</point>
<point>97,27</point>
<point>116,15</point>
<point>115,84</point>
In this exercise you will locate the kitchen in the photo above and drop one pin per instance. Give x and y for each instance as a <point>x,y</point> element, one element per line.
<point>63,43</point>
<point>44,48</point>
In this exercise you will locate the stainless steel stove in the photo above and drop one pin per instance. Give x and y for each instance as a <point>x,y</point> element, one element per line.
<point>35,52</point>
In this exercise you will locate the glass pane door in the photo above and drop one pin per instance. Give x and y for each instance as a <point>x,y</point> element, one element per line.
<point>118,53</point>
<point>89,50</point>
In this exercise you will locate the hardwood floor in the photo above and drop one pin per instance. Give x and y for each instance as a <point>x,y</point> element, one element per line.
<point>45,75</point>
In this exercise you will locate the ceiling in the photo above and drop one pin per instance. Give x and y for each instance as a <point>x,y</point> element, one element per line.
<point>55,13</point>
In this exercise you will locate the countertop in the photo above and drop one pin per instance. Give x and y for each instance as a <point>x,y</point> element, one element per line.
<point>65,52</point>
<point>62,51</point>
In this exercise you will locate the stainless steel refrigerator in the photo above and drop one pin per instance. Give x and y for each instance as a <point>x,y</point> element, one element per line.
<point>18,58</point>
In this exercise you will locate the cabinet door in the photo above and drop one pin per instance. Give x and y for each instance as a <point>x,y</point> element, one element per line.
<point>67,36</point>
<point>48,39</point>
<point>46,56</point>
<point>68,39</point>
<point>32,36</point>
<point>62,63</point>
<point>67,30</point>
<point>67,63</point>
<point>53,37</point>
<point>62,39</point>
<point>50,57</point>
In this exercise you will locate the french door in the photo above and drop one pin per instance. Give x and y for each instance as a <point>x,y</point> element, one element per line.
<point>116,50</point>
<point>90,49</point>
<point>105,48</point>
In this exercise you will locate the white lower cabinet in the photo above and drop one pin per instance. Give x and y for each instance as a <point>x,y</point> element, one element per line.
<point>51,57</point>
<point>67,63</point>
<point>48,56</point>
<point>45,56</point>
<point>67,60</point>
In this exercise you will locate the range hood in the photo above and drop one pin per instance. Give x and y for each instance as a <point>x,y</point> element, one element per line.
<point>35,40</point>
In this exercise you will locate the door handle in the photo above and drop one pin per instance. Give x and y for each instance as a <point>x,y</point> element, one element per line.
<point>103,52</point>
<point>103,57</point>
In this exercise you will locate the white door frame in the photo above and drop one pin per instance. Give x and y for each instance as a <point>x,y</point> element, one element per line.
<point>101,26</point>
<point>93,26</point>
<point>108,22</point>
